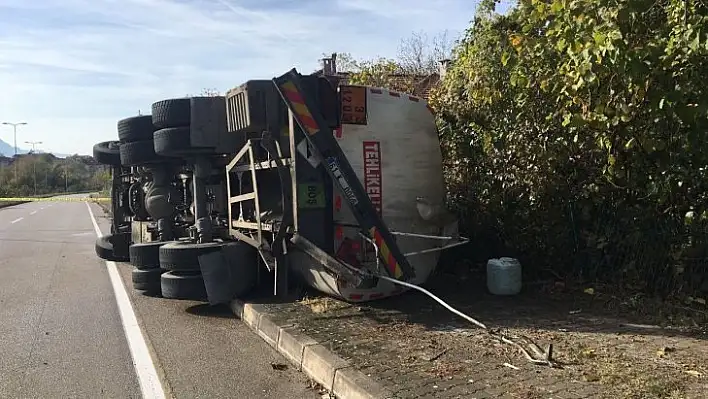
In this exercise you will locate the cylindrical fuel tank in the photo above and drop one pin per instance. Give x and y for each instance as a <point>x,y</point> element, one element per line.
<point>392,143</point>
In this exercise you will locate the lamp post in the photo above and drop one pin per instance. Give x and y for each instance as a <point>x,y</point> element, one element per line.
<point>14,133</point>
<point>66,176</point>
<point>34,163</point>
<point>14,130</point>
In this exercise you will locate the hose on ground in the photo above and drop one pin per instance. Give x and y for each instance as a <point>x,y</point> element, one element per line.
<point>541,358</point>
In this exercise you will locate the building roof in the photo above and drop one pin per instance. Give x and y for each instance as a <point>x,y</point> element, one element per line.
<point>422,84</point>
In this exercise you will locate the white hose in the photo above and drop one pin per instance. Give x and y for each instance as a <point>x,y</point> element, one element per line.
<point>546,357</point>
<point>440,301</point>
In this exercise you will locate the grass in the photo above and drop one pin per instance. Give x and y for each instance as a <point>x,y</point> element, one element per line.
<point>6,204</point>
<point>624,376</point>
<point>319,305</point>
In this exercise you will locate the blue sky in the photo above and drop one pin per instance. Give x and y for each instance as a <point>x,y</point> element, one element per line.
<point>72,68</point>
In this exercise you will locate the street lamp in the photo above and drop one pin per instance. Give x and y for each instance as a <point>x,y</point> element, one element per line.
<point>33,143</point>
<point>66,176</point>
<point>34,163</point>
<point>14,132</point>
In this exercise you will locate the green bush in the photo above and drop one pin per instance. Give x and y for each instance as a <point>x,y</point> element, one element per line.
<point>574,133</point>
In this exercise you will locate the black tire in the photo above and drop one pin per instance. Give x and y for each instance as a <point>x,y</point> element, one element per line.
<point>135,128</point>
<point>104,248</point>
<point>147,280</point>
<point>184,255</point>
<point>176,142</point>
<point>187,285</point>
<point>171,113</point>
<point>107,153</point>
<point>145,255</point>
<point>113,247</point>
<point>172,141</point>
<point>139,153</point>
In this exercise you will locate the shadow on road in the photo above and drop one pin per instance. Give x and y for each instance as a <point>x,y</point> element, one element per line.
<point>206,310</point>
<point>151,294</point>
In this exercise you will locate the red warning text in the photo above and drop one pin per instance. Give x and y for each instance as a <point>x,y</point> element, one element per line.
<point>372,173</point>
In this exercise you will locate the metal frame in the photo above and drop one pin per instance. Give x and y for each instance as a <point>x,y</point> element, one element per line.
<point>120,222</point>
<point>460,241</point>
<point>237,166</point>
<point>252,166</point>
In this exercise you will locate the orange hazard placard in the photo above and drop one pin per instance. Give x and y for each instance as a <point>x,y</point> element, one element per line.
<point>353,105</point>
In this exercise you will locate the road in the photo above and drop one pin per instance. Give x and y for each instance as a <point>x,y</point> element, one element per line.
<point>63,332</point>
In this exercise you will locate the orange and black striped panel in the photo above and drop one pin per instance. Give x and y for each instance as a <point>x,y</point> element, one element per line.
<point>299,108</point>
<point>391,264</point>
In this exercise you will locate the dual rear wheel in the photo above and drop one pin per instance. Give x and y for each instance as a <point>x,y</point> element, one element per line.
<point>172,268</point>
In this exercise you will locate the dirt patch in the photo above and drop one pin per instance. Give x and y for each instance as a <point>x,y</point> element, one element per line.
<point>605,346</point>
<point>106,207</point>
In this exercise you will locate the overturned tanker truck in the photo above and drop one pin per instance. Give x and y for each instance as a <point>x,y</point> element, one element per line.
<point>291,178</point>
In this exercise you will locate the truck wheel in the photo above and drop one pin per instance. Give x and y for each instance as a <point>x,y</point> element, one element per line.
<point>104,248</point>
<point>145,255</point>
<point>136,128</point>
<point>171,113</point>
<point>139,153</point>
<point>184,255</point>
<point>113,247</point>
<point>183,285</point>
<point>175,142</point>
<point>147,280</point>
<point>107,153</point>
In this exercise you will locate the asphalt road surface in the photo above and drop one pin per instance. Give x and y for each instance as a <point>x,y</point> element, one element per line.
<point>66,330</point>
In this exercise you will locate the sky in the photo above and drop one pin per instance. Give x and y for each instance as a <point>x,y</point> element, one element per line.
<point>72,68</point>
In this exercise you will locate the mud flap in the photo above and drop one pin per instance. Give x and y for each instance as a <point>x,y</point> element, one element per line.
<point>227,273</point>
<point>217,277</point>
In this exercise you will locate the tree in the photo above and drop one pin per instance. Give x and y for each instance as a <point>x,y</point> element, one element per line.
<point>385,73</point>
<point>418,56</point>
<point>206,92</point>
<point>576,131</point>
<point>421,55</point>
<point>53,175</point>
<point>345,62</point>
<point>209,93</point>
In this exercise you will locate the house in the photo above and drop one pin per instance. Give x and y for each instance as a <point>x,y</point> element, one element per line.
<point>423,84</point>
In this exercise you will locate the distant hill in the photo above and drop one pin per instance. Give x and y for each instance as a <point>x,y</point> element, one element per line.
<point>8,150</point>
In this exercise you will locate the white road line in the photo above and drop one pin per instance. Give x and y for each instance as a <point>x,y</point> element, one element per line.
<point>16,220</point>
<point>144,367</point>
<point>33,212</point>
<point>88,233</point>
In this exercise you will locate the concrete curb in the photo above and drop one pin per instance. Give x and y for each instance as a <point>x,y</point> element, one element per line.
<point>334,373</point>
